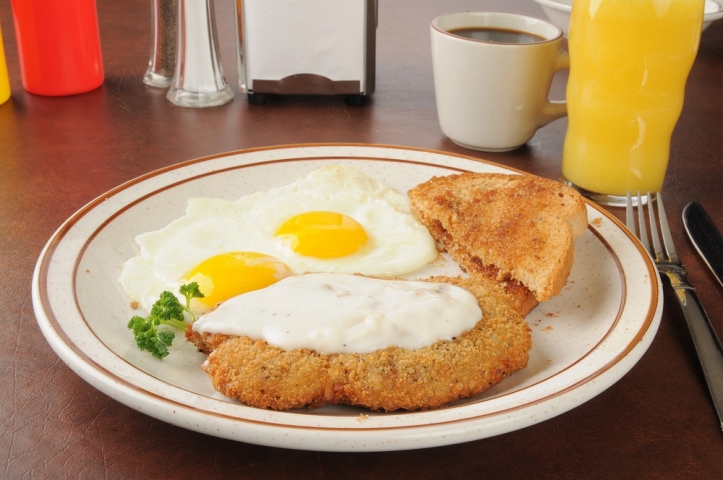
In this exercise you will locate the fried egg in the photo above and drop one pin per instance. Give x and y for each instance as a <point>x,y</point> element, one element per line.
<point>333,220</point>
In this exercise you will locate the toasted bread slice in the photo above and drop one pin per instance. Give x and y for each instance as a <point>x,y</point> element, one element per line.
<point>517,229</point>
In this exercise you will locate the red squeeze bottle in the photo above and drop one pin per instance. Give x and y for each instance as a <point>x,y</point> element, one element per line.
<point>58,45</point>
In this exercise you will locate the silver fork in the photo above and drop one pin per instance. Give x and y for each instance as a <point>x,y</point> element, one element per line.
<point>706,342</point>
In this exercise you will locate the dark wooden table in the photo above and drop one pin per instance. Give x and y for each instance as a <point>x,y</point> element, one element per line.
<point>56,154</point>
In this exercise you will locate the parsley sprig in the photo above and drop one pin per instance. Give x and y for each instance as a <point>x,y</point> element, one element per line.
<point>168,311</point>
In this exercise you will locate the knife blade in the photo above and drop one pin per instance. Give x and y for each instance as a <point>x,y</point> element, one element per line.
<point>705,237</point>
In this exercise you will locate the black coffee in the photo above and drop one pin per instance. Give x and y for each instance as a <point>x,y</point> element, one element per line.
<point>496,35</point>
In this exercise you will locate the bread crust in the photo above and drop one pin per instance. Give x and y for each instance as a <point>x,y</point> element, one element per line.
<point>516,229</point>
<point>265,376</point>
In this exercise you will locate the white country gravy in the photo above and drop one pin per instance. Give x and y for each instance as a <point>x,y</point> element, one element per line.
<point>338,313</point>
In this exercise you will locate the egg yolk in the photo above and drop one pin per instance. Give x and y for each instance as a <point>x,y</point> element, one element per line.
<point>229,274</point>
<point>322,234</point>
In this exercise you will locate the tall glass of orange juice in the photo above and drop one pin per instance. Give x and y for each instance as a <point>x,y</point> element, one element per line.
<point>629,60</point>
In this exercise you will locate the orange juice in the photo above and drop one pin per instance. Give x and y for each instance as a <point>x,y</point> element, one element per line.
<point>4,82</point>
<point>629,63</point>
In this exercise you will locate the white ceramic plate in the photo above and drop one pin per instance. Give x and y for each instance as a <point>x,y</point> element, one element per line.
<point>584,340</point>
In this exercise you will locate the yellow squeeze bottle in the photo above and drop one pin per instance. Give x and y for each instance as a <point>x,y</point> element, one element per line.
<point>4,81</point>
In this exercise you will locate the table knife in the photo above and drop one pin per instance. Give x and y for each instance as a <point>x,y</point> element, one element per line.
<point>705,237</point>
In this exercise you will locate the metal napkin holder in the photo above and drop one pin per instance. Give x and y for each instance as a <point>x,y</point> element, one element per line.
<point>309,47</point>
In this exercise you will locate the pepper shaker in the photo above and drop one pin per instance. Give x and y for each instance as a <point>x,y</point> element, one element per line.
<point>164,19</point>
<point>198,79</point>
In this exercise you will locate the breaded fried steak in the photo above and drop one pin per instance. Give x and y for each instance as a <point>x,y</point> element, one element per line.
<point>265,376</point>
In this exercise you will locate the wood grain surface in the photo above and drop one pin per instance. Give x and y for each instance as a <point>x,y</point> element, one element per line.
<point>57,154</point>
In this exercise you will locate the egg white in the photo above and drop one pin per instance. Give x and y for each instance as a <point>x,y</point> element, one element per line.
<point>398,243</point>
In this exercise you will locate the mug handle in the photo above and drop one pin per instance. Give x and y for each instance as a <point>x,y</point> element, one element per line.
<point>552,110</point>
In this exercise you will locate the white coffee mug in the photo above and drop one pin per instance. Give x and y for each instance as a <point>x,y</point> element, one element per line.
<point>492,95</point>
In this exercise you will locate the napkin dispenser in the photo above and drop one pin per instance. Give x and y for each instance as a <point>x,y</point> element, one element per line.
<point>306,47</point>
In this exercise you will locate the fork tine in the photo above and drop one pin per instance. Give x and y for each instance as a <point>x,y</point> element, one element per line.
<point>654,229</point>
<point>665,230</point>
<point>630,216</point>
<point>641,224</point>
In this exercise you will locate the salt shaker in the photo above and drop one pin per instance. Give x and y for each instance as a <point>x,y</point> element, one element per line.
<point>198,79</point>
<point>164,20</point>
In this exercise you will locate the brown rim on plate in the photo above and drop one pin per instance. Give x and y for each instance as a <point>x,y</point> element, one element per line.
<point>45,259</point>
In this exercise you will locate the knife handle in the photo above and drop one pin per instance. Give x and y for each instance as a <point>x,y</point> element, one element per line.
<point>706,344</point>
